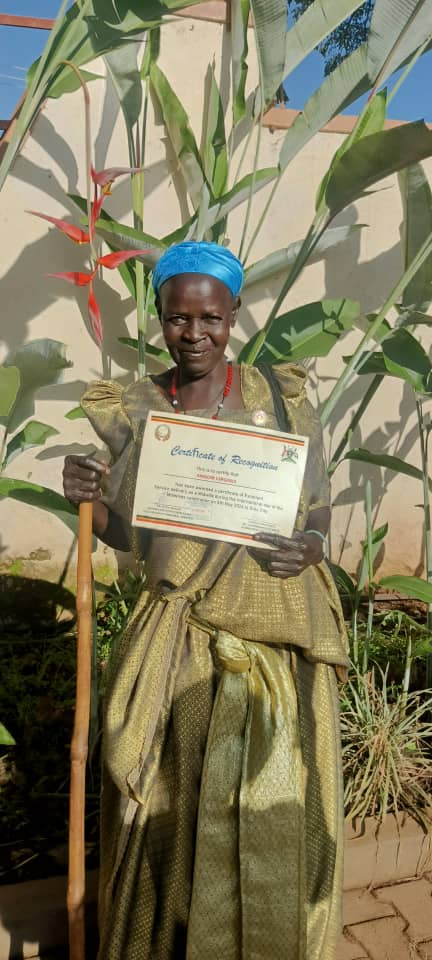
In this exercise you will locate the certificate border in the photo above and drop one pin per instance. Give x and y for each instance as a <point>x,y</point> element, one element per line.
<point>215,533</point>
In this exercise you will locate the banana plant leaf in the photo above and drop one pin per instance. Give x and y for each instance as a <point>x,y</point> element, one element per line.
<point>280,260</point>
<point>77,413</point>
<point>311,330</point>
<point>270,24</point>
<point>405,358</point>
<point>41,363</point>
<point>180,134</point>
<point>417,225</point>
<point>315,24</point>
<point>213,143</point>
<point>374,157</point>
<point>9,389</point>
<point>397,29</point>
<point>34,434</point>
<point>105,26</point>
<point>386,461</point>
<point>239,51</point>
<point>413,587</point>
<point>401,356</point>
<point>371,120</point>
<point>37,496</point>
<point>343,85</point>
<point>157,352</point>
<point>122,237</point>
<point>123,68</point>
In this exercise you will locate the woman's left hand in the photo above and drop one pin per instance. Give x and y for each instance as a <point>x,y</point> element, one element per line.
<point>292,555</point>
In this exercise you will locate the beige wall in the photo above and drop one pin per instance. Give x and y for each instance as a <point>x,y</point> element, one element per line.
<point>365,268</point>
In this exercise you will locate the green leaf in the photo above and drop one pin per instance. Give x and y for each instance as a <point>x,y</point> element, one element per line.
<point>239,51</point>
<point>180,134</point>
<point>77,413</point>
<point>6,738</point>
<point>41,363</point>
<point>397,29</point>
<point>315,24</point>
<point>9,389</point>
<point>239,193</point>
<point>308,331</point>
<point>37,496</point>
<point>386,461</point>
<point>377,537</point>
<point>67,82</point>
<point>151,52</point>
<point>213,145</point>
<point>404,357</point>
<point>270,25</point>
<point>105,26</point>
<point>417,225</point>
<point>343,579</point>
<point>158,352</point>
<point>282,260</point>
<point>371,120</point>
<point>32,435</point>
<point>343,85</point>
<point>123,68</point>
<point>410,586</point>
<point>373,158</point>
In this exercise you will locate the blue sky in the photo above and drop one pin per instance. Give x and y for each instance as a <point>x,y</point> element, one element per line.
<point>19,47</point>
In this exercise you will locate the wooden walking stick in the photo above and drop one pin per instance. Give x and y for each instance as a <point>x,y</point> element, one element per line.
<point>79,745</point>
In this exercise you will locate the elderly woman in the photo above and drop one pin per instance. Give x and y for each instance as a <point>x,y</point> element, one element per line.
<point>222,803</point>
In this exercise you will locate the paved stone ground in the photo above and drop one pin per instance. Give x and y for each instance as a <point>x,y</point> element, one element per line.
<point>389,923</point>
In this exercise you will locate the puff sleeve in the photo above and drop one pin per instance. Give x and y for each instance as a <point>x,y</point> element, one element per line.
<point>103,404</point>
<point>305,421</point>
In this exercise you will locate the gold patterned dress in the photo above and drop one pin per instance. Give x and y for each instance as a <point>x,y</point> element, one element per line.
<point>222,805</point>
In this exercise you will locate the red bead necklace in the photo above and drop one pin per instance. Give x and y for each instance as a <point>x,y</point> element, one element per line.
<point>225,393</point>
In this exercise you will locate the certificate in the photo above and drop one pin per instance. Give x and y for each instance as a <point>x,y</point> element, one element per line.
<point>217,480</point>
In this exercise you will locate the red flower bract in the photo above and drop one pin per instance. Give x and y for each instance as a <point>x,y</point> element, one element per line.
<point>94,314</point>
<point>69,229</point>
<point>75,277</point>
<point>105,178</point>
<point>112,260</point>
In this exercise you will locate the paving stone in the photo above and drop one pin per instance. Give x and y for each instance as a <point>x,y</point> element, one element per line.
<point>361,905</point>
<point>384,939</point>
<point>348,950</point>
<point>413,900</point>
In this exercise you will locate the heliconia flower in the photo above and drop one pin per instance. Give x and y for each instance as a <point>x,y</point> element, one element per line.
<point>78,279</point>
<point>105,178</point>
<point>95,316</point>
<point>69,229</point>
<point>96,209</point>
<point>112,260</point>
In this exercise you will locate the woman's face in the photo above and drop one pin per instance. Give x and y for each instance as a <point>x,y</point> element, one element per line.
<point>196,312</point>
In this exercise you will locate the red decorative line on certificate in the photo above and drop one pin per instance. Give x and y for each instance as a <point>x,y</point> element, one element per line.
<point>228,429</point>
<point>193,526</point>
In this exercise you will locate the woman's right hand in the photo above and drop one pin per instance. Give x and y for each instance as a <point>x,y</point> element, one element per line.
<point>82,479</point>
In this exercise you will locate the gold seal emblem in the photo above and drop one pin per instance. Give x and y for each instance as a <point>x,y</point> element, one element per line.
<point>162,432</point>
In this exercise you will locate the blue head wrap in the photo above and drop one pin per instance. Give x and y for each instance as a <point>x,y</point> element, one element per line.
<point>194,256</point>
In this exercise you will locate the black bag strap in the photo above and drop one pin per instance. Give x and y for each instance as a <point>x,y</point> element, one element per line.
<point>279,407</point>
